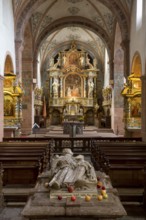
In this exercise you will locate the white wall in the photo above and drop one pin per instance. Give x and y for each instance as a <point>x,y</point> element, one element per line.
<point>138,36</point>
<point>107,70</point>
<point>6,33</point>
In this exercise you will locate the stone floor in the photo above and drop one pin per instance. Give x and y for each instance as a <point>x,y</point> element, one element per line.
<point>88,131</point>
<point>134,211</point>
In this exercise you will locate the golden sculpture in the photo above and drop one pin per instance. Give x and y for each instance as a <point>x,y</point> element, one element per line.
<point>12,101</point>
<point>76,74</point>
<point>132,94</point>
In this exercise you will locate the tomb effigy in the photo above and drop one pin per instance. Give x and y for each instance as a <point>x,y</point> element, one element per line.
<point>72,187</point>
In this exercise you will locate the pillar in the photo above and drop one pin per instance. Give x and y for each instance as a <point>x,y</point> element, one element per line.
<point>2,109</point>
<point>19,49</point>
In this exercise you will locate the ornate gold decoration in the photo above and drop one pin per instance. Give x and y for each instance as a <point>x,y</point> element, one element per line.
<point>76,74</point>
<point>132,94</point>
<point>12,101</point>
<point>107,96</point>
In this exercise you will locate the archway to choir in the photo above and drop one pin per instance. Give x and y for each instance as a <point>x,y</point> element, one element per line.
<point>76,85</point>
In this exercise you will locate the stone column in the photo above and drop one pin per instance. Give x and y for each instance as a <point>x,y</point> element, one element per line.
<point>19,48</point>
<point>125,47</point>
<point>2,109</point>
<point>143,119</point>
<point>27,98</point>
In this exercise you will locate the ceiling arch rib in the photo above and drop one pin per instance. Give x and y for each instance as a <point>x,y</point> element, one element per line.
<point>112,5</point>
<point>82,37</point>
<point>73,21</point>
<point>103,17</point>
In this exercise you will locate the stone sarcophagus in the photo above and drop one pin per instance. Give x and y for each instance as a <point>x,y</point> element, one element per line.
<point>72,188</point>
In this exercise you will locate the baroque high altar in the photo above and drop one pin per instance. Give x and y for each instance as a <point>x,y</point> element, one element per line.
<point>72,86</point>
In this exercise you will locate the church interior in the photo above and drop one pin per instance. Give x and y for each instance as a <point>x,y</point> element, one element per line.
<point>72,75</point>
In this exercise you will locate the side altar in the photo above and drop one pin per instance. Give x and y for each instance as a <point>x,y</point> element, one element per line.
<point>72,188</point>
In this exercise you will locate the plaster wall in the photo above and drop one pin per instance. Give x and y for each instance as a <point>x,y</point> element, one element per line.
<point>6,47</point>
<point>138,36</point>
<point>137,44</point>
<point>7,33</point>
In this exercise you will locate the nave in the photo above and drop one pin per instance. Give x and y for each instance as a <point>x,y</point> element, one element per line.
<point>129,183</point>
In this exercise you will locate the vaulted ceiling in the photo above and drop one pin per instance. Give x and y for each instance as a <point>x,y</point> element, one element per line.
<point>54,23</point>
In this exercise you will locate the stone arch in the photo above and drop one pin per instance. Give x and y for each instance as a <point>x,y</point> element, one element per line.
<point>114,5</point>
<point>8,64</point>
<point>65,46</point>
<point>136,64</point>
<point>79,22</point>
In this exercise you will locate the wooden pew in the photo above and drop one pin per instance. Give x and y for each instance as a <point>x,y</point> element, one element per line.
<point>23,162</point>
<point>144,194</point>
<point>124,162</point>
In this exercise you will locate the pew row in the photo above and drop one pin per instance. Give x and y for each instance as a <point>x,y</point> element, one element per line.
<point>22,162</point>
<point>123,162</point>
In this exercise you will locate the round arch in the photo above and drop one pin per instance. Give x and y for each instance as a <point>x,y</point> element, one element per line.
<point>64,46</point>
<point>114,5</point>
<point>8,64</point>
<point>136,64</point>
<point>75,21</point>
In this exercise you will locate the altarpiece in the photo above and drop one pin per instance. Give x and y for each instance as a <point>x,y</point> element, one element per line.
<point>72,86</point>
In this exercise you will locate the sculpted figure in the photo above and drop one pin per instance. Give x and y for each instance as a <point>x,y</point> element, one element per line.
<point>68,170</point>
<point>90,87</point>
<point>84,174</point>
<point>62,169</point>
<point>69,91</point>
<point>55,86</point>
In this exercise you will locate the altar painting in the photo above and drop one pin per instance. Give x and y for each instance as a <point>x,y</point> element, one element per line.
<point>73,86</point>
<point>136,107</point>
<point>8,106</point>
